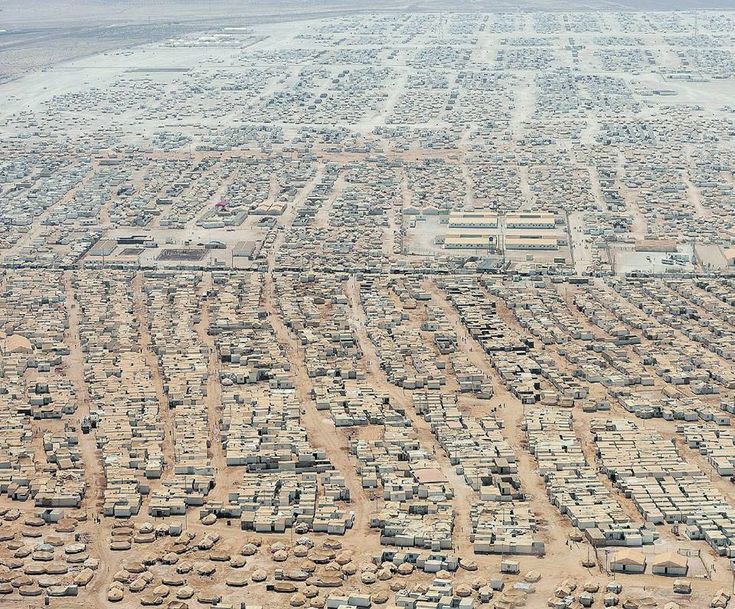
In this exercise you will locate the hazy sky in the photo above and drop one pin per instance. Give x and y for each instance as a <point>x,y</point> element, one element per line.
<point>50,13</point>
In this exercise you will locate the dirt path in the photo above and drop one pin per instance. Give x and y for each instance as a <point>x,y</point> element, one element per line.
<point>165,414</point>
<point>74,370</point>
<point>555,528</point>
<point>693,194</point>
<point>96,533</point>
<point>213,399</point>
<point>464,496</point>
<point>320,429</point>
<point>639,226</point>
<point>321,219</point>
